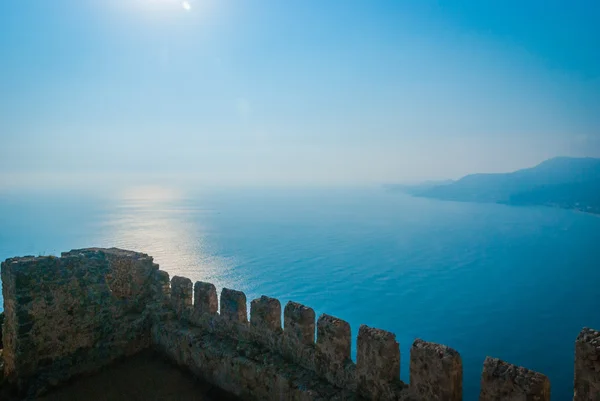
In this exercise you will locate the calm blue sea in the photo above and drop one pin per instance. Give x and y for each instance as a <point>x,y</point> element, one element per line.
<point>485,279</point>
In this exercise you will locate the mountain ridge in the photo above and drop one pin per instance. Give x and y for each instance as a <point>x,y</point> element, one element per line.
<point>566,182</point>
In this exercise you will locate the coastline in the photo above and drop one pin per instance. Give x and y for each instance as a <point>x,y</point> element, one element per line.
<point>553,206</point>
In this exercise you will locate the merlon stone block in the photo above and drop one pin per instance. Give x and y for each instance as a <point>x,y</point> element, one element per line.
<point>233,306</point>
<point>502,381</point>
<point>181,293</point>
<point>162,277</point>
<point>333,338</point>
<point>299,323</point>
<point>332,353</point>
<point>162,287</point>
<point>377,361</point>
<point>205,298</point>
<point>378,353</point>
<point>587,365</point>
<point>435,371</point>
<point>265,313</point>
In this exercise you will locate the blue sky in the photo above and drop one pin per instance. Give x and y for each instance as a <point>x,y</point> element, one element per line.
<point>293,92</point>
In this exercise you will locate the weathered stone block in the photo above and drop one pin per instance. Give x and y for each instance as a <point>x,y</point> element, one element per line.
<point>587,365</point>
<point>377,362</point>
<point>181,294</point>
<point>435,371</point>
<point>333,349</point>
<point>299,323</point>
<point>502,381</point>
<point>162,290</point>
<point>233,306</point>
<point>130,274</point>
<point>205,298</point>
<point>265,314</point>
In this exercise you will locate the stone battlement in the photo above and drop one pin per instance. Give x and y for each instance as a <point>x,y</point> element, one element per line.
<point>74,314</point>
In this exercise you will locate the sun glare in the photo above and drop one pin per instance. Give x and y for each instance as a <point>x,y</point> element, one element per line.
<point>167,5</point>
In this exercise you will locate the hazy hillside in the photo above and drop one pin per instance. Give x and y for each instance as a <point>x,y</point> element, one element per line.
<point>416,188</point>
<point>562,181</point>
<point>583,196</point>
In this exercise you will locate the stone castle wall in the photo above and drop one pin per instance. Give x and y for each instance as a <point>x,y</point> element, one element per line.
<point>71,315</point>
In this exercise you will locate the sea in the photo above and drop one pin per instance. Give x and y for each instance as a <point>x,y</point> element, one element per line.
<point>516,283</point>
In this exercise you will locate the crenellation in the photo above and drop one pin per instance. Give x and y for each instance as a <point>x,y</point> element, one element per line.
<point>233,306</point>
<point>377,363</point>
<point>181,295</point>
<point>435,371</point>
<point>587,365</point>
<point>502,381</point>
<point>75,314</point>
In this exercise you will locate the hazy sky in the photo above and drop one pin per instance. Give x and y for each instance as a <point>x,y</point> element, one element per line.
<point>296,92</point>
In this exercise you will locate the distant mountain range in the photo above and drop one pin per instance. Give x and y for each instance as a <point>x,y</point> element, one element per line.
<point>572,183</point>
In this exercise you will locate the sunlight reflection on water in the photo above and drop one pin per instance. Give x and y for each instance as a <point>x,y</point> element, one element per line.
<point>157,223</point>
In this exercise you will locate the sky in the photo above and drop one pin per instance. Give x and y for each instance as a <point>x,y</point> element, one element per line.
<point>271,92</point>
